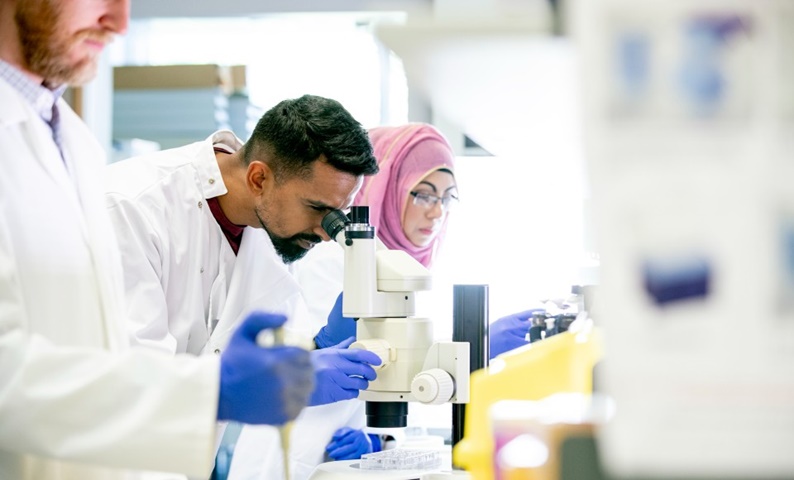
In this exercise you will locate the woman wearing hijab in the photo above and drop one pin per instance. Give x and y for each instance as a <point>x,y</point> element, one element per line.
<point>409,202</point>
<point>410,197</point>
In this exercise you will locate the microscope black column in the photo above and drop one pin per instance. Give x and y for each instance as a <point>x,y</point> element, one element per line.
<point>469,324</point>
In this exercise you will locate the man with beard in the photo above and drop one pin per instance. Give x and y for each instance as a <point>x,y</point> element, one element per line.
<point>75,401</point>
<point>207,231</point>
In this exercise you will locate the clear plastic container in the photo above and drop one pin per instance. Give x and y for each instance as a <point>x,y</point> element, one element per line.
<point>401,459</point>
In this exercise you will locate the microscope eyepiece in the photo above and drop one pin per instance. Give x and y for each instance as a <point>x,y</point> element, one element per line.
<point>359,214</point>
<point>334,222</point>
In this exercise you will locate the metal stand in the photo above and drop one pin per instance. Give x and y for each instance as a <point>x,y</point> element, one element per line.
<point>470,324</point>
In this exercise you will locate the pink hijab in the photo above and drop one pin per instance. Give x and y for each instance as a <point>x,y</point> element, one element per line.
<point>406,154</point>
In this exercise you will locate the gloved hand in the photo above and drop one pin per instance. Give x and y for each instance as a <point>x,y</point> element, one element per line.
<point>263,385</point>
<point>337,329</point>
<point>340,372</point>
<point>350,444</point>
<point>509,332</point>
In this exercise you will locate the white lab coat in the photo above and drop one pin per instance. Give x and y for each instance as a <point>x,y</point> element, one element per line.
<point>257,455</point>
<point>187,290</point>
<point>72,394</point>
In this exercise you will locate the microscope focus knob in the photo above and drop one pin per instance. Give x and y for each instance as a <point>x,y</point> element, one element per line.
<point>434,386</point>
<point>377,346</point>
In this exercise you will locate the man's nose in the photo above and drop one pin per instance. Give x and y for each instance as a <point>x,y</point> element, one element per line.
<point>320,232</point>
<point>117,17</point>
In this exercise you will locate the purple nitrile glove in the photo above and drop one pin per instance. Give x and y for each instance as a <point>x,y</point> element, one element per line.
<point>510,332</point>
<point>341,372</point>
<point>338,327</point>
<point>350,444</point>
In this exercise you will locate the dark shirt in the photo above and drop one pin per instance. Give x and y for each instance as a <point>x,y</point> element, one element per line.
<point>233,232</point>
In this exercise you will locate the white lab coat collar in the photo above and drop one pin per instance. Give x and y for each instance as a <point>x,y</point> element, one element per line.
<point>206,164</point>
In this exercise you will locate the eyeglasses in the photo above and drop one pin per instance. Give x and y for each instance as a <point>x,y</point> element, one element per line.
<point>428,201</point>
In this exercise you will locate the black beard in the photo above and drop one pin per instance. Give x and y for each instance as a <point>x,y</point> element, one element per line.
<point>288,248</point>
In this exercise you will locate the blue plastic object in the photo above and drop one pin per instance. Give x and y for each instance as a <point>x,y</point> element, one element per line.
<point>341,372</point>
<point>263,385</point>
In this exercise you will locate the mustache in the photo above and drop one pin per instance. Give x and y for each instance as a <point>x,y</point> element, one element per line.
<point>307,236</point>
<point>96,35</point>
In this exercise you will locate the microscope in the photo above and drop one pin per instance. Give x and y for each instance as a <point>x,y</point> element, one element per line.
<point>379,291</point>
<point>558,315</point>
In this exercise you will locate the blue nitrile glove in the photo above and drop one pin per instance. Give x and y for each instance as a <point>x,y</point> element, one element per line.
<point>337,329</point>
<point>263,385</point>
<point>509,332</point>
<point>341,372</point>
<point>350,444</point>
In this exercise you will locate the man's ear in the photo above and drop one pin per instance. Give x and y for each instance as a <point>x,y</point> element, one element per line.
<point>259,177</point>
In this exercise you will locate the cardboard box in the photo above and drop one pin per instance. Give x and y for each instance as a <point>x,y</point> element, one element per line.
<point>238,77</point>
<point>171,76</point>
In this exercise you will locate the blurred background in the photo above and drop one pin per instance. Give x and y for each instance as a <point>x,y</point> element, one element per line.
<point>641,146</point>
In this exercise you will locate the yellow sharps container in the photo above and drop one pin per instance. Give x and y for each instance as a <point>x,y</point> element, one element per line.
<point>559,364</point>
